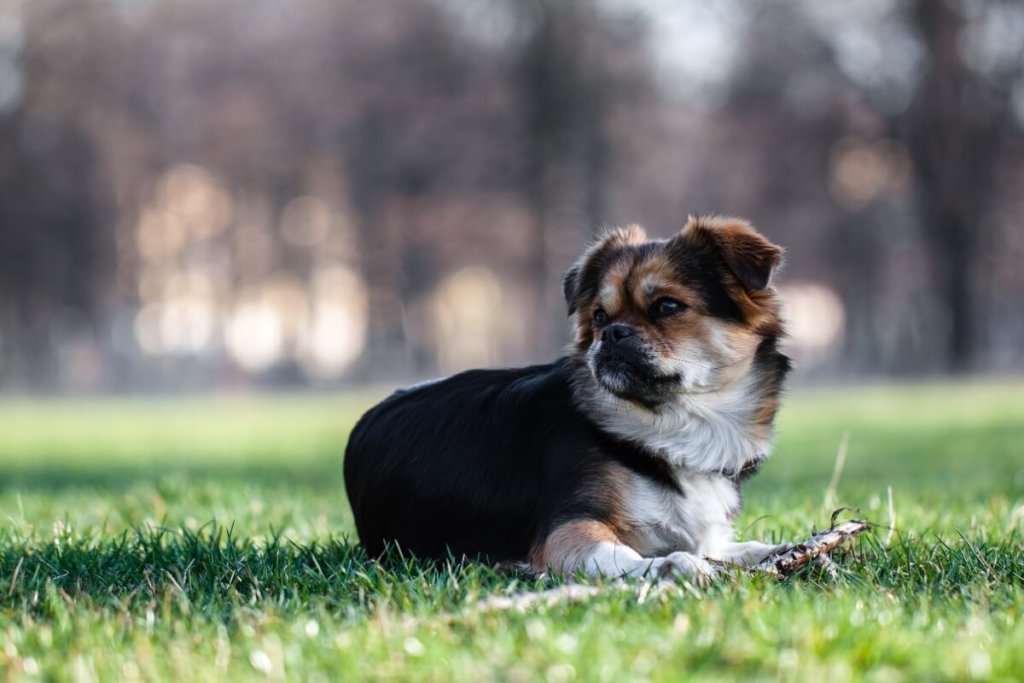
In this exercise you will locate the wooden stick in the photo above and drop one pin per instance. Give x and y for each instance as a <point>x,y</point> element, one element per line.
<point>816,546</point>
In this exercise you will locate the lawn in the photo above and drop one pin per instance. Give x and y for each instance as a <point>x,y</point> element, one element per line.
<point>210,539</point>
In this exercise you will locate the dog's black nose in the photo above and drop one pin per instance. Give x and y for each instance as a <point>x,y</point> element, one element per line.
<point>617,332</point>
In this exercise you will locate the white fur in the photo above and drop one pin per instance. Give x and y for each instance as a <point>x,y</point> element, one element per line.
<point>616,559</point>
<point>697,520</point>
<point>750,553</point>
<point>678,531</point>
<point>709,431</point>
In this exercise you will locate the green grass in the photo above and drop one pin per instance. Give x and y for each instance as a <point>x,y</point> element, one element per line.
<point>210,539</point>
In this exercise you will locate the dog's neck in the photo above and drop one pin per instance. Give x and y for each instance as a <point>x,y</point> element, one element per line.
<point>712,431</point>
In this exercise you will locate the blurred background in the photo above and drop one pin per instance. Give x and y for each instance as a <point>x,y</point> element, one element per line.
<point>239,194</point>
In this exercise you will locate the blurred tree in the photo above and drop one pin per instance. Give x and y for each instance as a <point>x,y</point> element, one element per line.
<point>579,67</point>
<point>957,129</point>
<point>787,105</point>
<point>420,118</point>
<point>56,215</point>
<point>425,137</point>
<point>827,106</point>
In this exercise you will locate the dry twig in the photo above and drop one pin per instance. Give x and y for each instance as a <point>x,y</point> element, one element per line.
<point>810,550</point>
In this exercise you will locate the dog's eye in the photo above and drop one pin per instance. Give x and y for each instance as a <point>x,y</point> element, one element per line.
<point>666,306</point>
<point>600,317</point>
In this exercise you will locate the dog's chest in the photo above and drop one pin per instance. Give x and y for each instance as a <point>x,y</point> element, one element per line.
<point>697,519</point>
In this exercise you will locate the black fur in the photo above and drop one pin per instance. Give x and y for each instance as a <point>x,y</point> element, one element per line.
<point>701,265</point>
<point>484,463</point>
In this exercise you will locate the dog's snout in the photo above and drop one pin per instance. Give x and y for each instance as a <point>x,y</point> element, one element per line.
<point>616,333</point>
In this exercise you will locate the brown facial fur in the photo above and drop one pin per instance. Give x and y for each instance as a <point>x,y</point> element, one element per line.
<point>719,268</point>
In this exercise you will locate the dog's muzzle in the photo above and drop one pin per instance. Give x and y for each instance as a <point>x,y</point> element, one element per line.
<point>624,366</point>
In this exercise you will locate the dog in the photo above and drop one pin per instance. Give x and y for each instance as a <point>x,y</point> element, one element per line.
<point>625,457</point>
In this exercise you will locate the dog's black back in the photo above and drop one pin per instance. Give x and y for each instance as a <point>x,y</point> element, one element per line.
<point>481,464</point>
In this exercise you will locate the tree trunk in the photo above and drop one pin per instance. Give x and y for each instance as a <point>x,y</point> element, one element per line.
<point>955,125</point>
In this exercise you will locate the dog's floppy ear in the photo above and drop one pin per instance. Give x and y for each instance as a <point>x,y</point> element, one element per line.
<point>569,287</point>
<point>750,256</point>
<point>579,278</point>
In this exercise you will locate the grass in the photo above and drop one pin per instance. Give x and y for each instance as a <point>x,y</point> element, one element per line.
<point>209,539</point>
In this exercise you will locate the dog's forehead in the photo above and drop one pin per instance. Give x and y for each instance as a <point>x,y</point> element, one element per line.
<point>637,275</point>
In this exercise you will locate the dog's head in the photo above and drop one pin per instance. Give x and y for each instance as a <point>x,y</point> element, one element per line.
<point>659,319</point>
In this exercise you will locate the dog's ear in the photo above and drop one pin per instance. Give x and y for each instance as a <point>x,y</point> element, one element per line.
<point>582,277</point>
<point>750,256</point>
<point>569,287</point>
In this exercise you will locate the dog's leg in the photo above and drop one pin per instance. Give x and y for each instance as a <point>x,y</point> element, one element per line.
<point>594,548</point>
<point>750,553</point>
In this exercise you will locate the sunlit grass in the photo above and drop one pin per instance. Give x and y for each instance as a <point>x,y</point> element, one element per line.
<point>209,539</point>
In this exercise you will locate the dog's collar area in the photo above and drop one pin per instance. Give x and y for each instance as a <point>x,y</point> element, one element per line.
<point>747,470</point>
<point>640,459</point>
<point>658,465</point>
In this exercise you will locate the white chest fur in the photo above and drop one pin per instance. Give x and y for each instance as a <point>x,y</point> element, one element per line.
<point>705,432</point>
<point>696,520</point>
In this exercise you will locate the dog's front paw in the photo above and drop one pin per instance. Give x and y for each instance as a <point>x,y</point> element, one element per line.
<point>683,564</point>
<point>772,550</point>
<point>753,552</point>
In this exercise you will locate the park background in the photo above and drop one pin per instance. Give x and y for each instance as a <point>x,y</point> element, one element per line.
<point>253,194</point>
<point>227,227</point>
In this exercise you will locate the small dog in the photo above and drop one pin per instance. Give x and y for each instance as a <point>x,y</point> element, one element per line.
<point>623,458</point>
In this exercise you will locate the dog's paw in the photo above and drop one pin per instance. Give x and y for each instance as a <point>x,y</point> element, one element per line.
<point>753,553</point>
<point>772,550</point>
<point>683,565</point>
